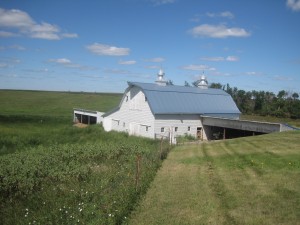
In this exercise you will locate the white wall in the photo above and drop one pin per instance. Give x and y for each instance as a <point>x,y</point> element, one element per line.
<point>182,122</point>
<point>134,115</point>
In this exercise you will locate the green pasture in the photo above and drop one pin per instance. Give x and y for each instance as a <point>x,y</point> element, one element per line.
<point>54,173</point>
<point>53,104</point>
<point>253,180</point>
<point>31,118</point>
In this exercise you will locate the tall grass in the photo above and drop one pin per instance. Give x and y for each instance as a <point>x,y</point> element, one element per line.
<point>54,173</point>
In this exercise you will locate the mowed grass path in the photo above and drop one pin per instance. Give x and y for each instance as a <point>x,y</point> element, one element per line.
<point>253,180</point>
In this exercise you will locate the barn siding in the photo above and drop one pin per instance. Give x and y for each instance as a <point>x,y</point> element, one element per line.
<point>182,122</point>
<point>134,115</point>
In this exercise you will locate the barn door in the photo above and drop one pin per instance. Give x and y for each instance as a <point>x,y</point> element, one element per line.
<point>134,129</point>
<point>199,133</point>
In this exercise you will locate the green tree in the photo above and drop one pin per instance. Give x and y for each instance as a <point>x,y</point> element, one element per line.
<point>186,84</point>
<point>216,85</point>
<point>295,96</point>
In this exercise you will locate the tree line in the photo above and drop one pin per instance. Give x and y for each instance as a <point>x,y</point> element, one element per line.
<point>284,105</point>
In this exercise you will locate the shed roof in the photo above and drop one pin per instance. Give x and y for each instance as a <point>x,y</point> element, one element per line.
<point>172,99</point>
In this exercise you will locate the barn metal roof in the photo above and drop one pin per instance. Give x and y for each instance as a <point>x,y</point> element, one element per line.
<point>172,99</point>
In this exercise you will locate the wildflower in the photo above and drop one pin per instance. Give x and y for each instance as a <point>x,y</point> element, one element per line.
<point>109,215</point>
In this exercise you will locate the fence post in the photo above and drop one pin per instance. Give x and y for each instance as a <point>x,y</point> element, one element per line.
<point>138,171</point>
<point>161,147</point>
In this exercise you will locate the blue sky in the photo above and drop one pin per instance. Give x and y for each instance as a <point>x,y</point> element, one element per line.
<point>98,46</point>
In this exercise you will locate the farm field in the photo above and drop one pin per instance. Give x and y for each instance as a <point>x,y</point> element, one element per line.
<point>31,118</point>
<point>253,180</point>
<point>54,173</point>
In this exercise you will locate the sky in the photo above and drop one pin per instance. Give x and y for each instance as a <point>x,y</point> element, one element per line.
<point>97,46</point>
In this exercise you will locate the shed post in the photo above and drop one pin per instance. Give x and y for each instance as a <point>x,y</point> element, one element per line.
<point>224,134</point>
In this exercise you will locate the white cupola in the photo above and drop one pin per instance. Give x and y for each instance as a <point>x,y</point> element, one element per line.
<point>160,78</point>
<point>203,82</point>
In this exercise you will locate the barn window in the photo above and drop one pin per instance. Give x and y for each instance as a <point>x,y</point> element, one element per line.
<point>176,129</point>
<point>146,99</point>
<point>127,98</point>
<point>147,128</point>
<point>189,128</point>
<point>124,124</point>
<point>162,129</point>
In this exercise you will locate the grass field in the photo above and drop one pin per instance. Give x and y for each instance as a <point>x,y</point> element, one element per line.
<point>54,173</point>
<point>253,180</point>
<point>29,118</point>
<point>53,104</point>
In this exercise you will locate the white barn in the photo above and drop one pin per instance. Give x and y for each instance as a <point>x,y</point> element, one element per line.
<point>157,110</point>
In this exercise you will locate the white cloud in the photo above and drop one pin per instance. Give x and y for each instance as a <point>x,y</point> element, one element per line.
<point>283,78</point>
<point>225,14</point>
<point>153,67</point>
<point>7,34</point>
<point>197,67</point>
<point>117,71</point>
<point>101,49</point>
<point>214,59</point>
<point>9,62</point>
<point>232,58</point>
<point>68,63</point>
<point>156,60</point>
<point>220,59</point>
<point>293,4</point>
<point>65,62</point>
<point>162,2</point>
<point>25,25</point>
<point>69,35</point>
<point>219,31</point>
<point>3,65</point>
<point>253,73</point>
<point>129,62</point>
<point>15,47</point>
<point>15,18</point>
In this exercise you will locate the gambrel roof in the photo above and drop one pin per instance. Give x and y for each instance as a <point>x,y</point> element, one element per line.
<point>172,99</point>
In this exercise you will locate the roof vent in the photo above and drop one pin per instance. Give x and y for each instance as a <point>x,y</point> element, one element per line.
<point>203,82</point>
<point>160,78</point>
